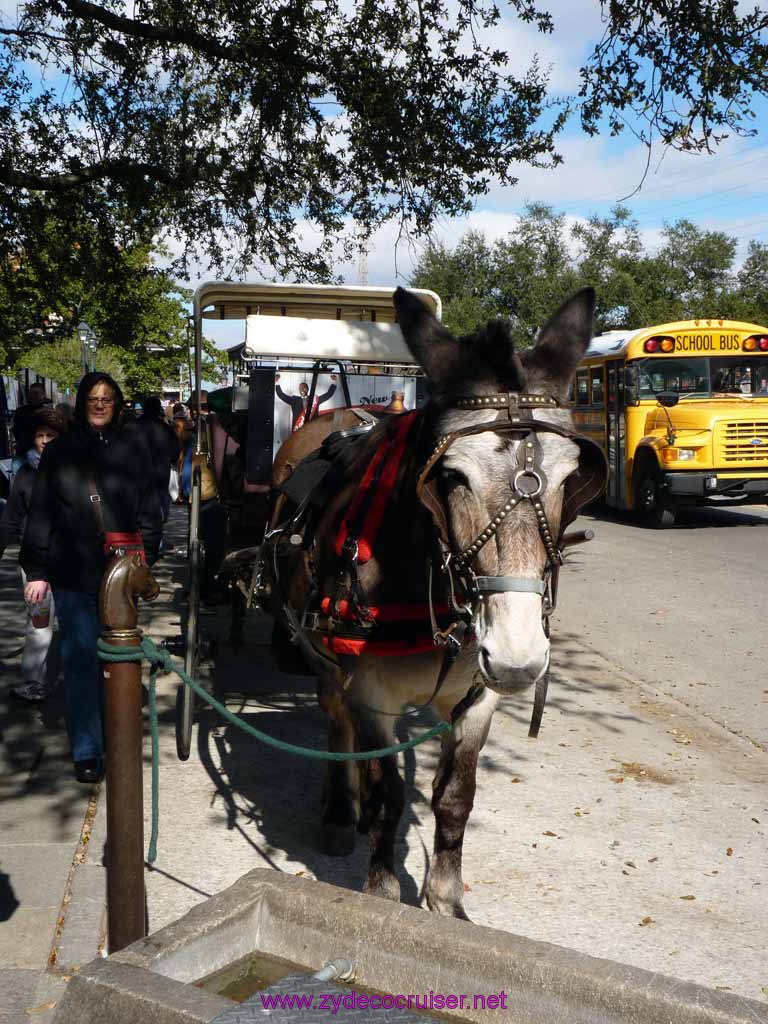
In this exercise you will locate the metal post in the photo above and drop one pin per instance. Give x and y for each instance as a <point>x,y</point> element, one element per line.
<point>125,803</point>
<point>125,578</point>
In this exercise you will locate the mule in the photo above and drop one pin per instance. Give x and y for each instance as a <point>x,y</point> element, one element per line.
<point>489,474</point>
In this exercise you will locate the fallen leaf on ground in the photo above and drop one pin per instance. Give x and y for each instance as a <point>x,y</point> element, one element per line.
<point>515,779</point>
<point>729,852</point>
<point>652,860</point>
<point>41,1008</point>
<point>467,888</point>
<point>548,833</point>
<point>687,897</point>
<point>618,778</point>
<point>645,921</point>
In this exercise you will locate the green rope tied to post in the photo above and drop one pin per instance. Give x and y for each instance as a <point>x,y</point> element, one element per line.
<point>161,661</point>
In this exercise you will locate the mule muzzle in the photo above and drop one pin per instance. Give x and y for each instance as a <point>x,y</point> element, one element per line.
<point>506,678</point>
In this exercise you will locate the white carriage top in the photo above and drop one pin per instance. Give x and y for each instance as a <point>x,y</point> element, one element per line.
<point>311,321</point>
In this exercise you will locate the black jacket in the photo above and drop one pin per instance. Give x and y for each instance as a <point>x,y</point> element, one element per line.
<point>163,446</point>
<point>62,543</point>
<point>296,402</point>
<point>15,513</point>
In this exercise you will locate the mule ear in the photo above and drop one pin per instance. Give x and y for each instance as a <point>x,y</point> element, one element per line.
<point>562,342</point>
<point>439,354</point>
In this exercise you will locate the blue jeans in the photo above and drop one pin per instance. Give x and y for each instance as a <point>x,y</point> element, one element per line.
<point>79,630</point>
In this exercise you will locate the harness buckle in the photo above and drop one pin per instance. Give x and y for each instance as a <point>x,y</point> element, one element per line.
<point>350,548</point>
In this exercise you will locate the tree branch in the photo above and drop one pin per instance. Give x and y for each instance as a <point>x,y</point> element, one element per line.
<point>142,30</point>
<point>119,169</point>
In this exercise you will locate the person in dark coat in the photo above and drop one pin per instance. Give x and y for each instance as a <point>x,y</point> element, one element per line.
<point>47,425</point>
<point>63,548</point>
<point>163,446</point>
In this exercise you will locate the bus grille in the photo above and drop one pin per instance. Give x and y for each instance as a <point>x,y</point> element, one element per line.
<point>742,441</point>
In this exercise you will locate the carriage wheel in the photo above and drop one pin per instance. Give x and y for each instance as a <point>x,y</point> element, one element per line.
<point>185,698</point>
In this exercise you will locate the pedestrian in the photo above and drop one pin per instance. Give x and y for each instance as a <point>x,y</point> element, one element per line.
<point>164,448</point>
<point>47,425</point>
<point>65,409</point>
<point>298,403</point>
<point>22,419</point>
<point>183,428</point>
<point>94,488</point>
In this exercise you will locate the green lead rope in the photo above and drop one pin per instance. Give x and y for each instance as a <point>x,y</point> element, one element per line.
<point>161,661</point>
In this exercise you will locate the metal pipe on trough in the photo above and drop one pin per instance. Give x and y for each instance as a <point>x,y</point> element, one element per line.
<point>125,579</point>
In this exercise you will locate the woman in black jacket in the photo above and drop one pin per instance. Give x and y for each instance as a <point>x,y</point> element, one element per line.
<point>95,464</point>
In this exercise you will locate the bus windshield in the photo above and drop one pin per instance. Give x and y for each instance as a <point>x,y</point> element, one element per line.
<point>701,377</point>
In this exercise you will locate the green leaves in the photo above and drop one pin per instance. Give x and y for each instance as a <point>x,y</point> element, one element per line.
<point>525,275</point>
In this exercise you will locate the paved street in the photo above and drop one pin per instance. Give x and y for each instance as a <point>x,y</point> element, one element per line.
<point>682,609</point>
<point>634,828</point>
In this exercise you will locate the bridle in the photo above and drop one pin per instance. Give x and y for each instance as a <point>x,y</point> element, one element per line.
<point>466,589</point>
<point>528,484</point>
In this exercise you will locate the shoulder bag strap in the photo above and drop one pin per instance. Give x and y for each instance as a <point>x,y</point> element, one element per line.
<point>98,510</point>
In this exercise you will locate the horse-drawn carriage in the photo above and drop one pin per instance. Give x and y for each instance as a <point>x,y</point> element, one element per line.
<point>411,553</point>
<point>300,341</point>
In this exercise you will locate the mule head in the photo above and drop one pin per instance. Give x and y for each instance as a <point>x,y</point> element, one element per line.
<point>477,475</point>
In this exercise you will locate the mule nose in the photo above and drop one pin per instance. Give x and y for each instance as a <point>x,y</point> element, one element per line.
<point>504,676</point>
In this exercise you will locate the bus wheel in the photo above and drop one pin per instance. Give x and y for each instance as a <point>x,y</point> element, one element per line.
<point>649,504</point>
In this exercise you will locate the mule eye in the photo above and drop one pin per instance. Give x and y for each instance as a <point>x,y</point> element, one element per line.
<point>455,478</point>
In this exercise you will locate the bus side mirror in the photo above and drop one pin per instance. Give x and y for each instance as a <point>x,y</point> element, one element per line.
<point>668,399</point>
<point>631,389</point>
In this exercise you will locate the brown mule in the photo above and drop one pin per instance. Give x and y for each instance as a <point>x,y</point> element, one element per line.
<point>467,549</point>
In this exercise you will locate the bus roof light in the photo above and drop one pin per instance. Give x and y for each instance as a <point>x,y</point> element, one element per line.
<point>763,343</point>
<point>750,344</point>
<point>659,344</point>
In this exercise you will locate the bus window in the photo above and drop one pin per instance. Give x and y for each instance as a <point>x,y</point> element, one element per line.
<point>597,385</point>
<point>582,387</point>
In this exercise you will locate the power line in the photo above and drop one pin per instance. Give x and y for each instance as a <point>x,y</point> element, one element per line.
<point>681,175</point>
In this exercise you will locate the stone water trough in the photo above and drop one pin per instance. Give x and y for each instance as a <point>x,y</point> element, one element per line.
<point>397,949</point>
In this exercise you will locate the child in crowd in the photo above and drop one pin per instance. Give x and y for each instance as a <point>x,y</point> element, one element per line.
<point>45,426</point>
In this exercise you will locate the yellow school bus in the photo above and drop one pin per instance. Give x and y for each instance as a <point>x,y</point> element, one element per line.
<point>681,411</point>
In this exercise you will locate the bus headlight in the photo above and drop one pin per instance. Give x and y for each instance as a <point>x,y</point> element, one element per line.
<point>679,454</point>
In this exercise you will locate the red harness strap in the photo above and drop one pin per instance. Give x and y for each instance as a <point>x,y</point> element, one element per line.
<point>383,468</point>
<point>408,615</point>
<point>362,522</point>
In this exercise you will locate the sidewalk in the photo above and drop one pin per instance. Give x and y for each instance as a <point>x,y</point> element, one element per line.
<point>44,824</point>
<point>632,829</point>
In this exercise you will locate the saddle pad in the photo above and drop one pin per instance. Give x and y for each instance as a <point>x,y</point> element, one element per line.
<point>308,475</point>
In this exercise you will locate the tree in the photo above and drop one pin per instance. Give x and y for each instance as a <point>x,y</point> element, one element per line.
<point>228,124</point>
<point>751,299</point>
<point>524,276</point>
<point>462,278</point>
<point>60,265</point>
<point>62,361</point>
<point>533,272</point>
<point>699,268</point>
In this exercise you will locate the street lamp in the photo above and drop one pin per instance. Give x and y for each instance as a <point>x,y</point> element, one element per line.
<point>84,333</point>
<point>93,345</point>
<point>89,342</point>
